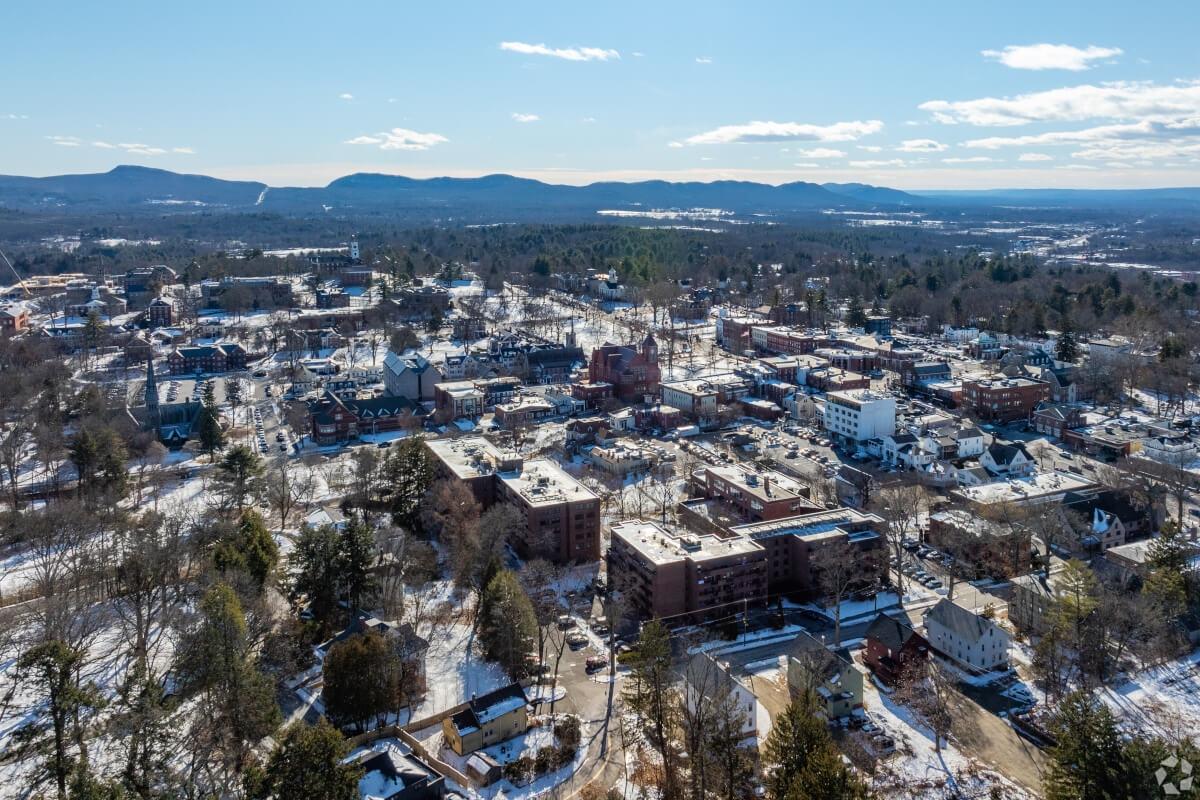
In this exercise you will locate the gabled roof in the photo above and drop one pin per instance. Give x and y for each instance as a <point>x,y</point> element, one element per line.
<point>1006,452</point>
<point>891,631</point>
<point>491,706</point>
<point>967,625</point>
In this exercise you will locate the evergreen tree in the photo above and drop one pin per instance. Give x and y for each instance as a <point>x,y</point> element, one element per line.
<point>238,477</point>
<point>797,737</point>
<point>826,777</point>
<point>316,565</point>
<point>409,471</point>
<point>249,549</point>
<point>855,316</point>
<point>1086,761</point>
<point>362,681</point>
<point>208,431</point>
<point>357,556</point>
<point>508,624</point>
<point>307,763</point>
<point>1066,349</point>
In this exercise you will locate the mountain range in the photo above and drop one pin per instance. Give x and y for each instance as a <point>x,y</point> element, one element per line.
<point>132,189</point>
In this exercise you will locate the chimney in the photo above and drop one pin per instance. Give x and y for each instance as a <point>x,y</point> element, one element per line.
<point>767,484</point>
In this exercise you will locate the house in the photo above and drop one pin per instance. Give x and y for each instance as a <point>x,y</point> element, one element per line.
<point>1032,596</point>
<point>486,720</point>
<point>1112,518</point>
<point>892,646</point>
<point>392,772</point>
<point>1008,459</point>
<point>706,677</point>
<point>830,675</point>
<point>161,312</point>
<point>1064,387</point>
<point>14,317</point>
<point>410,375</point>
<point>970,640</point>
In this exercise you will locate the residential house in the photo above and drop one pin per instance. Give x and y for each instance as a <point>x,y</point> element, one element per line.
<point>830,675</point>
<point>1009,459</point>
<point>967,638</point>
<point>486,720</point>
<point>892,647</point>
<point>410,375</point>
<point>394,772</point>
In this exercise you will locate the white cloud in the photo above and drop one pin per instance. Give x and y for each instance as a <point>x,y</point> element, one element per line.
<point>637,54</point>
<point>1034,157</point>
<point>970,160</point>
<point>787,131</point>
<point>870,148</point>
<point>104,145</point>
<point>1051,56</point>
<point>15,116</point>
<point>345,96</point>
<point>820,152</point>
<point>674,145</point>
<point>806,165</point>
<point>525,117</point>
<point>1143,101</point>
<point>65,141</point>
<point>894,162</point>
<point>400,139</point>
<point>139,149</point>
<point>704,59</point>
<point>184,151</point>
<point>1118,165</point>
<point>1076,166</point>
<point>588,119</point>
<point>922,146</point>
<point>565,53</point>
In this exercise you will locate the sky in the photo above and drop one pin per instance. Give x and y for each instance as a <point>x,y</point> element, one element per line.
<point>956,95</point>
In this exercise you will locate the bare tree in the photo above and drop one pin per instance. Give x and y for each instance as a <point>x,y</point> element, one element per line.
<point>286,488</point>
<point>837,566</point>
<point>928,691</point>
<point>902,507</point>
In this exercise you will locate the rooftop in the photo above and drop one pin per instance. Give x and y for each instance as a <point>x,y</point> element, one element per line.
<point>660,546</point>
<point>542,482</point>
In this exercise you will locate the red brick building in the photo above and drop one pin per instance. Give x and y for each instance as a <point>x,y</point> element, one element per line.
<point>14,317</point>
<point>1003,399</point>
<point>207,358</point>
<point>633,372</point>
<point>892,648</point>
<point>335,420</point>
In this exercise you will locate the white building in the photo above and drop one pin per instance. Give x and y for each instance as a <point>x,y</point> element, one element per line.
<point>973,641</point>
<point>696,399</point>
<point>860,414</point>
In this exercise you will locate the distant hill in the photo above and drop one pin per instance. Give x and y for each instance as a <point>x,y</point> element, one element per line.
<point>506,198</point>
<point>495,197</point>
<point>873,194</point>
<point>126,186</point>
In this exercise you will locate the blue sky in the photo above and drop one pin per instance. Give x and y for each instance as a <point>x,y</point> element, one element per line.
<point>917,95</point>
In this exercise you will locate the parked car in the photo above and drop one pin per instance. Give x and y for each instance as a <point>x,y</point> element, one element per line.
<point>576,640</point>
<point>565,622</point>
<point>595,663</point>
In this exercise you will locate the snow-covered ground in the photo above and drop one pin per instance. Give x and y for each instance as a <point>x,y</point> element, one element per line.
<point>916,769</point>
<point>1162,700</point>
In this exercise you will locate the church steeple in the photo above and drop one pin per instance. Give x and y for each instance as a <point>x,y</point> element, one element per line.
<point>650,349</point>
<point>153,412</point>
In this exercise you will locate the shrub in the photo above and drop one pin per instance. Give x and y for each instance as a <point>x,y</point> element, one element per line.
<point>566,730</point>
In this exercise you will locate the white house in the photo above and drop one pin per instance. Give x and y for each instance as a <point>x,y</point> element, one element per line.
<point>706,677</point>
<point>1007,458</point>
<point>859,414</point>
<point>973,641</point>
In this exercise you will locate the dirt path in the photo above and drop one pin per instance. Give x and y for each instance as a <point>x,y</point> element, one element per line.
<point>985,736</point>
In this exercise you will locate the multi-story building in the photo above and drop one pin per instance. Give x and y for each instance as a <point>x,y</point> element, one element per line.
<point>859,415</point>
<point>973,641</point>
<point>754,496</point>
<point>220,357</point>
<point>633,372</point>
<point>562,515</point>
<point>458,399</point>
<point>1003,399</point>
<point>696,399</point>
<point>336,420</point>
<point>681,576</point>
<point>410,375</point>
<point>791,543</point>
<point>270,291</point>
<point>160,313</point>
<point>14,317</point>
<point>143,284</point>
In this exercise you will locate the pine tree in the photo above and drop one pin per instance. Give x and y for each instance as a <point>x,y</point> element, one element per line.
<point>307,763</point>
<point>855,316</point>
<point>409,471</point>
<point>796,737</point>
<point>1086,761</point>
<point>508,624</point>
<point>249,549</point>
<point>1067,349</point>
<point>826,777</point>
<point>361,675</point>
<point>239,476</point>
<point>208,431</point>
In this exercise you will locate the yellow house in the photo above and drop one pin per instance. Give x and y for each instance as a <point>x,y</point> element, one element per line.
<point>485,720</point>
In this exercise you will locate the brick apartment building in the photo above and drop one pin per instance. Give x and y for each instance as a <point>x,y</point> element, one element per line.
<point>562,515</point>
<point>14,317</point>
<point>336,420</point>
<point>681,576</point>
<point>1003,399</point>
<point>754,496</point>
